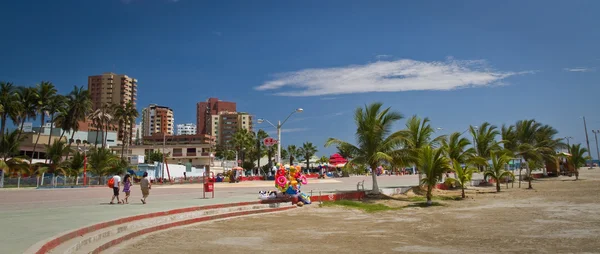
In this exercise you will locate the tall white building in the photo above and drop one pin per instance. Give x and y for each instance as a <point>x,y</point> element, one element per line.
<point>186,129</point>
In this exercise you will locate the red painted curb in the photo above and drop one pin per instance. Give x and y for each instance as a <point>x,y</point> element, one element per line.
<point>68,236</point>
<point>182,223</point>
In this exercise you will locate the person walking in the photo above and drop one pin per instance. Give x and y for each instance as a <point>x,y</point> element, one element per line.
<point>145,185</point>
<point>116,179</point>
<point>126,188</point>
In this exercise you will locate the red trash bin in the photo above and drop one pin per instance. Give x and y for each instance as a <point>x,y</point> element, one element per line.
<point>209,187</point>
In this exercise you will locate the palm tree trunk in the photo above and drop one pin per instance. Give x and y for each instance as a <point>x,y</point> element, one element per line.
<point>38,138</point>
<point>308,165</point>
<point>97,132</point>
<point>462,186</point>
<point>429,189</point>
<point>105,141</point>
<point>123,144</point>
<point>3,125</point>
<point>497,185</point>
<point>21,129</point>
<point>62,135</point>
<point>50,136</point>
<point>374,177</point>
<point>70,143</point>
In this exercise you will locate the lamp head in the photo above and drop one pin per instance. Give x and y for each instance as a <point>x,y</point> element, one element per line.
<point>299,110</point>
<point>260,120</point>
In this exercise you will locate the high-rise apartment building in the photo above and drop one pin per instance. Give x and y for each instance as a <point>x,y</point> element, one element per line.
<point>186,129</point>
<point>222,126</point>
<point>157,120</point>
<point>113,89</point>
<point>212,106</point>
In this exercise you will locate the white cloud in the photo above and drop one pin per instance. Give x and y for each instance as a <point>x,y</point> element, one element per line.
<point>382,56</point>
<point>328,98</point>
<point>579,69</point>
<point>387,76</point>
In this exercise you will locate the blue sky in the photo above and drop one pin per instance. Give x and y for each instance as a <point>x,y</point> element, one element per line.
<point>456,62</point>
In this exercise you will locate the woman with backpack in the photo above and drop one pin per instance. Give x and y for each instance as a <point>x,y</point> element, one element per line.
<point>114,183</point>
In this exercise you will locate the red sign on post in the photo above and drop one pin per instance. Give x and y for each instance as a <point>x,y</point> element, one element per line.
<point>269,141</point>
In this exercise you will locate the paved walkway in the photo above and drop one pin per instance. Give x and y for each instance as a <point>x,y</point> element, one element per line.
<point>30,215</point>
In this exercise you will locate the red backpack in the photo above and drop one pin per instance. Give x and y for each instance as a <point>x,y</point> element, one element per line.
<point>111,183</point>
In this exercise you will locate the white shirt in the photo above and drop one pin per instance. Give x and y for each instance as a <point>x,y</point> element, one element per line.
<point>117,180</point>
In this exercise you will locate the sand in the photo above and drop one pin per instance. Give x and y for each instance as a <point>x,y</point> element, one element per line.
<point>558,216</point>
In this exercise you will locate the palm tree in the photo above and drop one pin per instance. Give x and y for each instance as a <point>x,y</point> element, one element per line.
<point>80,104</point>
<point>101,160</point>
<point>308,150</point>
<point>96,118</point>
<point>242,140</point>
<point>74,166</point>
<point>432,163</point>
<point>496,170</point>
<point>374,139</point>
<point>418,134</point>
<point>293,152</point>
<point>57,107</point>
<point>30,103</point>
<point>107,117</point>
<point>9,104</point>
<point>121,117</point>
<point>46,93</point>
<point>455,147</point>
<point>323,159</point>
<point>484,140</point>
<point>578,158</point>
<point>463,175</point>
<point>55,154</point>
<point>132,114</point>
<point>9,151</point>
<point>532,141</point>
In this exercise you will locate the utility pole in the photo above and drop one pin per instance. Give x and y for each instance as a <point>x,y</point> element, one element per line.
<point>587,140</point>
<point>596,136</point>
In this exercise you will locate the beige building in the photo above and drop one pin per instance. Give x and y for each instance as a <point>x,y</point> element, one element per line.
<point>112,89</point>
<point>197,149</point>
<point>157,120</point>
<point>225,124</point>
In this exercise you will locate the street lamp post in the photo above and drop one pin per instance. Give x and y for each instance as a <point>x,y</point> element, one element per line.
<point>586,139</point>
<point>568,144</point>
<point>278,127</point>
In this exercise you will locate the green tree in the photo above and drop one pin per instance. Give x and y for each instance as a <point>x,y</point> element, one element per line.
<point>456,148</point>
<point>433,164</point>
<point>46,93</point>
<point>417,135</point>
<point>484,140</point>
<point>375,141</point>
<point>463,175</point>
<point>307,151</point>
<point>578,158</point>
<point>29,104</point>
<point>79,106</point>
<point>101,161</point>
<point>57,107</point>
<point>55,154</point>
<point>292,152</point>
<point>10,105</point>
<point>9,150</point>
<point>496,169</point>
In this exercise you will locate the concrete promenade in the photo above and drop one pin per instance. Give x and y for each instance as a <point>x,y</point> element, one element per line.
<point>29,215</point>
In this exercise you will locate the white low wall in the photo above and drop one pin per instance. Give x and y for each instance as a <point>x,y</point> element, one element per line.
<point>390,191</point>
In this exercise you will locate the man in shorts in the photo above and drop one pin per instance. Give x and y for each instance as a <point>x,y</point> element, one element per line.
<point>116,184</point>
<point>145,185</point>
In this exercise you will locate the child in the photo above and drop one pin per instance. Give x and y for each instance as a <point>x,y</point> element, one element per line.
<point>126,188</point>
